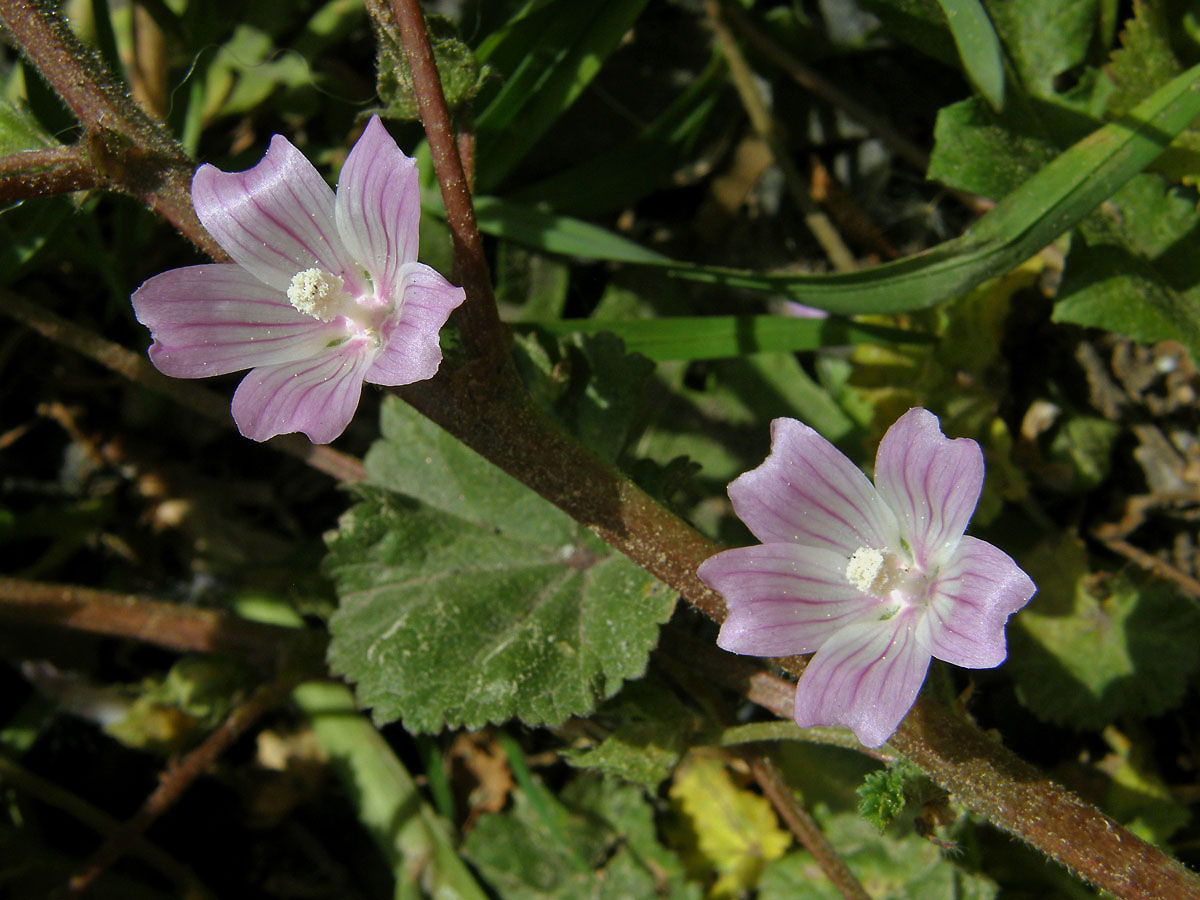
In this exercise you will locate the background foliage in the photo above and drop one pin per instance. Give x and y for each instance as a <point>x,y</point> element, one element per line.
<point>1016,184</point>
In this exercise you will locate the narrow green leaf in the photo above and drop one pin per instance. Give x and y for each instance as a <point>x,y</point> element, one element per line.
<point>978,47</point>
<point>1030,217</point>
<point>721,337</point>
<point>1049,203</point>
<point>566,43</point>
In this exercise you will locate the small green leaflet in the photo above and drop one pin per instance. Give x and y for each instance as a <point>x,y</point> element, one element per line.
<point>472,599</point>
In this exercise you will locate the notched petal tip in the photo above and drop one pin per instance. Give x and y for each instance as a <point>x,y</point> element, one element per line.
<point>970,604</point>
<point>931,482</point>
<point>807,492</point>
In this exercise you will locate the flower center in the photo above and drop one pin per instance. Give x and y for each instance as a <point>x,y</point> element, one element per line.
<point>875,572</point>
<point>318,294</point>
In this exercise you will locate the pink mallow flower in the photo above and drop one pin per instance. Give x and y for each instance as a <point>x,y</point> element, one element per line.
<point>875,580</point>
<point>324,292</point>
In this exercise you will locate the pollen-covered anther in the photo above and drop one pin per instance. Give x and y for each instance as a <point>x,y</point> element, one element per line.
<point>873,571</point>
<point>316,293</point>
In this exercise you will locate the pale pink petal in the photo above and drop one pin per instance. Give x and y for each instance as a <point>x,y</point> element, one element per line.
<point>378,206</point>
<point>865,677</point>
<point>317,397</point>
<point>275,219</point>
<point>969,604</point>
<point>932,484</point>
<point>783,599</point>
<point>214,319</point>
<point>412,350</point>
<point>807,492</point>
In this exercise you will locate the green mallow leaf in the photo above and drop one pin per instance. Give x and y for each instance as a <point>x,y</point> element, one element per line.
<point>1145,59</point>
<point>651,728</point>
<point>1132,271</point>
<point>1045,38</point>
<point>991,154</point>
<point>1092,648</point>
<point>908,868</point>
<point>472,599</point>
<point>598,841</point>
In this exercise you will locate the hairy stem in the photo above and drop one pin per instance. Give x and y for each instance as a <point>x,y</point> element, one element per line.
<point>43,173</point>
<point>477,319</point>
<point>141,618</point>
<point>129,151</point>
<point>178,778</point>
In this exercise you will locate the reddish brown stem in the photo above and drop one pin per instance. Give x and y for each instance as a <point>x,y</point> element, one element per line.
<point>177,779</point>
<point>805,828</point>
<point>129,151</point>
<point>43,173</point>
<point>141,618</point>
<point>478,321</point>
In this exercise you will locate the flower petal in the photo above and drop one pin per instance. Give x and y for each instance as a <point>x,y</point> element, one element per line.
<point>969,605</point>
<point>807,492</point>
<point>932,484</point>
<point>412,350</point>
<point>275,219</point>
<point>783,598</point>
<point>318,397</point>
<point>378,206</point>
<point>865,677</point>
<point>214,319</point>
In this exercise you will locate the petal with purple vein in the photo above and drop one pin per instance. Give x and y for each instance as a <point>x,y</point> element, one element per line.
<point>276,219</point>
<point>318,397</point>
<point>783,599</point>
<point>378,207</point>
<point>412,350</point>
<point>808,492</point>
<point>865,677</point>
<point>969,605</point>
<point>213,319</point>
<point>932,483</point>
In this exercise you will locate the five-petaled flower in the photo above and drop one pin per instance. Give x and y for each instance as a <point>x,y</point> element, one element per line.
<point>875,580</point>
<point>324,292</point>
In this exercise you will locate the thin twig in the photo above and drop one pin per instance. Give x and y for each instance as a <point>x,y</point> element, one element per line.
<point>130,151</point>
<point>139,370</point>
<point>805,828</point>
<point>177,779</point>
<point>20,778</point>
<point>764,124</point>
<point>1151,563</point>
<point>141,618</point>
